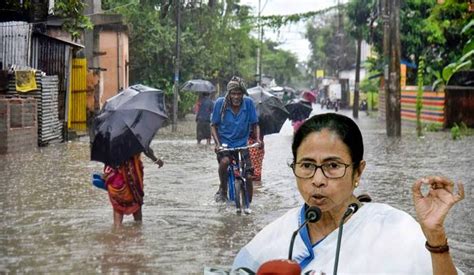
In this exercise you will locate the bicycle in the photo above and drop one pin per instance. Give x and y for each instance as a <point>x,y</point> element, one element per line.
<point>237,185</point>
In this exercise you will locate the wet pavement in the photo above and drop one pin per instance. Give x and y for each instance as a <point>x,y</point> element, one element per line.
<point>55,221</point>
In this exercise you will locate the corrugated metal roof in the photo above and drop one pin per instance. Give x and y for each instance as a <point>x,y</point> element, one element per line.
<point>61,40</point>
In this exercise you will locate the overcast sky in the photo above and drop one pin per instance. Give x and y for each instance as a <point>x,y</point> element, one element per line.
<point>292,36</point>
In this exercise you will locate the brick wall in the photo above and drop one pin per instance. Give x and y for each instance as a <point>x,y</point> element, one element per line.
<point>18,125</point>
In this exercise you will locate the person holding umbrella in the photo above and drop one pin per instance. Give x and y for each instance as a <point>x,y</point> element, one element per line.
<point>203,107</point>
<point>123,130</point>
<point>232,119</point>
<point>203,118</point>
<point>299,111</point>
<point>125,186</point>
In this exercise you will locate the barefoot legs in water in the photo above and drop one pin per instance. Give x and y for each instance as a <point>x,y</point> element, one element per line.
<point>137,216</point>
<point>118,217</point>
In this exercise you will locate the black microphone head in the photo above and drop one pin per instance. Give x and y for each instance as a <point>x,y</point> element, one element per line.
<point>312,214</point>
<point>354,206</point>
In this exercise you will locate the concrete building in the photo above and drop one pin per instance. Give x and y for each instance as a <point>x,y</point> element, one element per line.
<point>106,52</point>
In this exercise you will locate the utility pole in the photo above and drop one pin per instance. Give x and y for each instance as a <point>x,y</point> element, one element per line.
<point>384,11</point>
<point>355,107</point>
<point>394,85</point>
<point>340,40</point>
<point>261,56</point>
<point>174,127</point>
<point>391,45</point>
<point>258,72</point>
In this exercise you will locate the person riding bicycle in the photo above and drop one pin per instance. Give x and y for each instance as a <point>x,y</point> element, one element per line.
<point>233,117</point>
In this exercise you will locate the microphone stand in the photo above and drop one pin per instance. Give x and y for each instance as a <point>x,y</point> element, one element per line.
<point>290,253</point>
<point>283,266</point>
<point>350,210</point>
<point>312,214</point>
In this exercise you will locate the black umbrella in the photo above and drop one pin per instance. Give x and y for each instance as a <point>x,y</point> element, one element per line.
<point>198,86</point>
<point>299,110</point>
<point>271,111</point>
<point>127,124</point>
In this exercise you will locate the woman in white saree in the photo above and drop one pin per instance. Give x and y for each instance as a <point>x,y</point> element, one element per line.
<point>378,239</point>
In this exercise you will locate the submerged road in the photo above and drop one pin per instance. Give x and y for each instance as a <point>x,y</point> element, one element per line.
<point>55,221</point>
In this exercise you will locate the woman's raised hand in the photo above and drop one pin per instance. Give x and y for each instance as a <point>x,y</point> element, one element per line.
<point>159,162</point>
<point>432,208</point>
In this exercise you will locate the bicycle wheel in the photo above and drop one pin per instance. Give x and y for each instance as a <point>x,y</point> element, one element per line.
<point>247,185</point>
<point>248,192</point>
<point>238,184</point>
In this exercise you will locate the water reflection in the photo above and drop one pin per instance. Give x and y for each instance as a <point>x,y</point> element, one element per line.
<point>121,250</point>
<point>56,221</point>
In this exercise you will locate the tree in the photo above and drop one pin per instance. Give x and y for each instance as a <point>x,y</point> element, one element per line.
<point>72,11</point>
<point>428,29</point>
<point>325,45</point>
<point>216,43</point>
<point>358,12</point>
<point>449,31</point>
<point>36,11</point>
<point>279,64</point>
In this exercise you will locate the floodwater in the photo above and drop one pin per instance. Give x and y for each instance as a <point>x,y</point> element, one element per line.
<point>55,221</point>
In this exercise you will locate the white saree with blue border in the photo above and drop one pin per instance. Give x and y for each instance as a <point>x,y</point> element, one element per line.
<point>378,239</point>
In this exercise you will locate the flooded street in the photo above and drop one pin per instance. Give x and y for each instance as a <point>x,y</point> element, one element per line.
<point>56,221</point>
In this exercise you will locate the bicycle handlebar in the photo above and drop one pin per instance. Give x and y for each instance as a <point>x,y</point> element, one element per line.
<point>223,149</point>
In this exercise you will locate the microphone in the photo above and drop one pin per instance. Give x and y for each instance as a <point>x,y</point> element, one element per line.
<point>312,214</point>
<point>288,266</point>
<point>351,209</point>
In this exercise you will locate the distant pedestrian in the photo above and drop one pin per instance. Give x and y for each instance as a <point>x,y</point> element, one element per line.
<point>204,110</point>
<point>300,117</point>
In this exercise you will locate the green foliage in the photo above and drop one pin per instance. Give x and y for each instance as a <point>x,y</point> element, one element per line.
<point>433,127</point>
<point>216,43</point>
<point>465,62</point>
<point>277,21</point>
<point>429,29</point>
<point>460,130</point>
<point>413,15</point>
<point>330,51</point>
<point>279,64</point>
<point>373,100</point>
<point>358,14</point>
<point>370,85</point>
<point>449,31</point>
<point>72,12</point>
<point>186,103</point>
<point>445,22</point>
<point>455,132</point>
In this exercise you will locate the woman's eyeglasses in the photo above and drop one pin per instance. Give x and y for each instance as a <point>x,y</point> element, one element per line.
<point>331,170</point>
